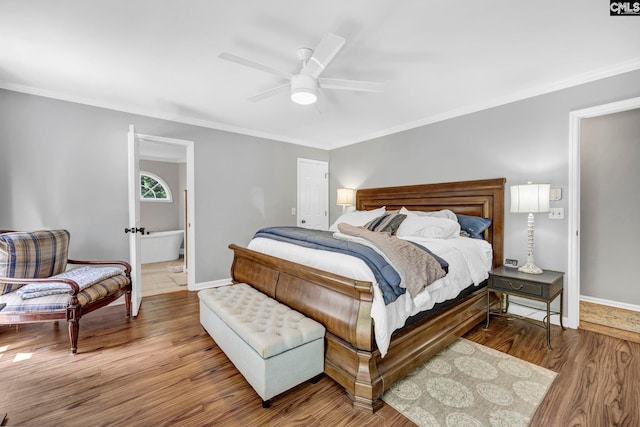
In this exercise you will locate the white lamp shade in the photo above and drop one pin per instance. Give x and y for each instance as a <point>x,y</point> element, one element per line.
<point>345,196</point>
<point>530,198</point>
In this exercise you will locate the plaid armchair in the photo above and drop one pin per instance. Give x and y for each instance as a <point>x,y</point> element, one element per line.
<point>37,286</point>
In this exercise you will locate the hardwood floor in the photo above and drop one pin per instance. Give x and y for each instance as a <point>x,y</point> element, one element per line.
<point>163,369</point>
<point>599,376</point>
<point>163,277</point>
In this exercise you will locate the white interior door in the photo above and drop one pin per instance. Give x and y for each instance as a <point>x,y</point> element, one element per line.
<point>313,194</point>
<point>134,220</point>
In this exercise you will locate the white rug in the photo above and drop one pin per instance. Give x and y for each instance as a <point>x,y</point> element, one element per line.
<point>468,384</point>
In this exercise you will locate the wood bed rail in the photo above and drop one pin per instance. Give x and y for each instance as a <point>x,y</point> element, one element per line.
<point>341,304</point>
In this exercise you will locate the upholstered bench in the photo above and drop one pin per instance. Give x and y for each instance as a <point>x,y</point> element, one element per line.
<point>274,347</point>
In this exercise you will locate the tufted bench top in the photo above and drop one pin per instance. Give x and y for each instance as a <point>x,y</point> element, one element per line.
<point>266,325</point>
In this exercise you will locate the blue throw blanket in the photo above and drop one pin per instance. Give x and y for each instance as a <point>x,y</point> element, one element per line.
<point>386,276</point>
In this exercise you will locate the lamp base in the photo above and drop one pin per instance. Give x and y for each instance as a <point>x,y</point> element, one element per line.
<point>530,268</point>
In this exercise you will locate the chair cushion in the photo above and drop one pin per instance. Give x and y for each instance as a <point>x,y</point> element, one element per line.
<point>33,255</point>
<point>102,289</point>
<point>15,304</point>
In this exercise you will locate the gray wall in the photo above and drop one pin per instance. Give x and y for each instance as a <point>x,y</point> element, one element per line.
<point>521,141</point>
<point>162,216</point>
<point>609,206</point>
<point>65,165</point>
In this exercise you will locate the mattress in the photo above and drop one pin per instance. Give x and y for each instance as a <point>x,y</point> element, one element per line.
<point>469,263</point>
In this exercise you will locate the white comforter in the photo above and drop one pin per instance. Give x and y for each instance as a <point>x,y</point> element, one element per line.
<point>469,262</point>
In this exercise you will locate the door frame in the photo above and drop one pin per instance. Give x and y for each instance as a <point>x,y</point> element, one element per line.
<point>133,197</point>
<point>573,267</point>
<point>190,205</point>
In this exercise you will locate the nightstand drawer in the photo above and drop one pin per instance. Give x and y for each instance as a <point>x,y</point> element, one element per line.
<point>517,286</point>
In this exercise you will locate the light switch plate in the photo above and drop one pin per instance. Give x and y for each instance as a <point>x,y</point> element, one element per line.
<point>556,213</point>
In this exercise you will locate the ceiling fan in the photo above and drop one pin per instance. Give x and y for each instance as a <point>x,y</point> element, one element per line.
<point>304,85</point>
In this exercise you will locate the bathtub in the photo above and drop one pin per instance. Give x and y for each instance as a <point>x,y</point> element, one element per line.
<point>159,246</point>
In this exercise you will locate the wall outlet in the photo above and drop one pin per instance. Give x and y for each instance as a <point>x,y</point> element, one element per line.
<point>556,213</point>
<point>293,211</point>
<point>511,263</point>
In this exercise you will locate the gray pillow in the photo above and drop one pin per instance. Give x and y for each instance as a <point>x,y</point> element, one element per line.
<point>387,223</point>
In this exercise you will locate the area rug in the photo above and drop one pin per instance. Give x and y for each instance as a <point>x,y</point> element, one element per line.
<point>468,384</point>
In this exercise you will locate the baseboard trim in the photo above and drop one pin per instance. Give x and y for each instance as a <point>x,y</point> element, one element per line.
<point>535,314</point>
<point>609,303</point>
<point>212,284</point>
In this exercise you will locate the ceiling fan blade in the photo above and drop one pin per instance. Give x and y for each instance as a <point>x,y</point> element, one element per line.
<point>270,92</point>
<point>328,47</point>
<point>249,63</point>
<point>357,85</point>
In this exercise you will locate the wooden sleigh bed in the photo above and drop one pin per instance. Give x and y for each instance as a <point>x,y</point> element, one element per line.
<point>343,305</point>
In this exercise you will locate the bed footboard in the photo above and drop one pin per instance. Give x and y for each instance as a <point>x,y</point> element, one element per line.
<point>343,306</point>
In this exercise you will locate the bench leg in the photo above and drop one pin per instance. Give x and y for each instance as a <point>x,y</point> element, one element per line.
<point>314,380</point>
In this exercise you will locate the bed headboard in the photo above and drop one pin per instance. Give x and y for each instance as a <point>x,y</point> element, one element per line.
<point>481,198</point>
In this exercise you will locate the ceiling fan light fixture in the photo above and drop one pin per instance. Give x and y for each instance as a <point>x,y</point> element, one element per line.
<point>303,97</point>
<point>304,90</point>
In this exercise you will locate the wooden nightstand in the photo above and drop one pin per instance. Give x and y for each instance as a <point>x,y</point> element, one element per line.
<point>543,287</point>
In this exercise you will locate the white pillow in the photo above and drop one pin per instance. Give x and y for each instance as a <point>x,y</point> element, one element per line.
<point>358,218</point>
<point>444,213</point>
<point>428,226</point>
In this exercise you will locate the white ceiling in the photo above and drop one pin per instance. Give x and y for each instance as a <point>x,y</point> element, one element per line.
<point>439,59</point>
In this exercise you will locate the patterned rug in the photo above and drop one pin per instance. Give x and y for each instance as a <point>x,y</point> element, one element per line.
<point>468,384</point>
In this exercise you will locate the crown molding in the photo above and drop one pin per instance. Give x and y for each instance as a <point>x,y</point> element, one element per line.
<point>155,114</point>
<point>576,80</point>
<point>579,79</point>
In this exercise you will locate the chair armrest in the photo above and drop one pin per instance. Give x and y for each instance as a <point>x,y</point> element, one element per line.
<point>126,265</point>
<point>69,282</point>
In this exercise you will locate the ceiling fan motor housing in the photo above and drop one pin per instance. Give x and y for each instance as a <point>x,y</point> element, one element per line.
<point>304,54</point>
<point>304,89</point>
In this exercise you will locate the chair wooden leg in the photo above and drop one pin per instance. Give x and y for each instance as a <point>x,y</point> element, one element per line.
<point>74,327</point>
<point>127,302</point>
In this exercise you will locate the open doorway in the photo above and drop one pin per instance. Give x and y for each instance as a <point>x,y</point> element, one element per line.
<point>163,213</point>
<point>573,271</point>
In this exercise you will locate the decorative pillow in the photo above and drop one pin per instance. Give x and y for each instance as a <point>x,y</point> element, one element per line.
<point>444,213</point>
<point>39,254</point>
<point>358,218</point>
<point>428,226</point>
<point>387,223</point>
<point>474,226</point>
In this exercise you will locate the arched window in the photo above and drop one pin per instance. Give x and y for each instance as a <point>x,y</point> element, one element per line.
<point>153,188</point>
